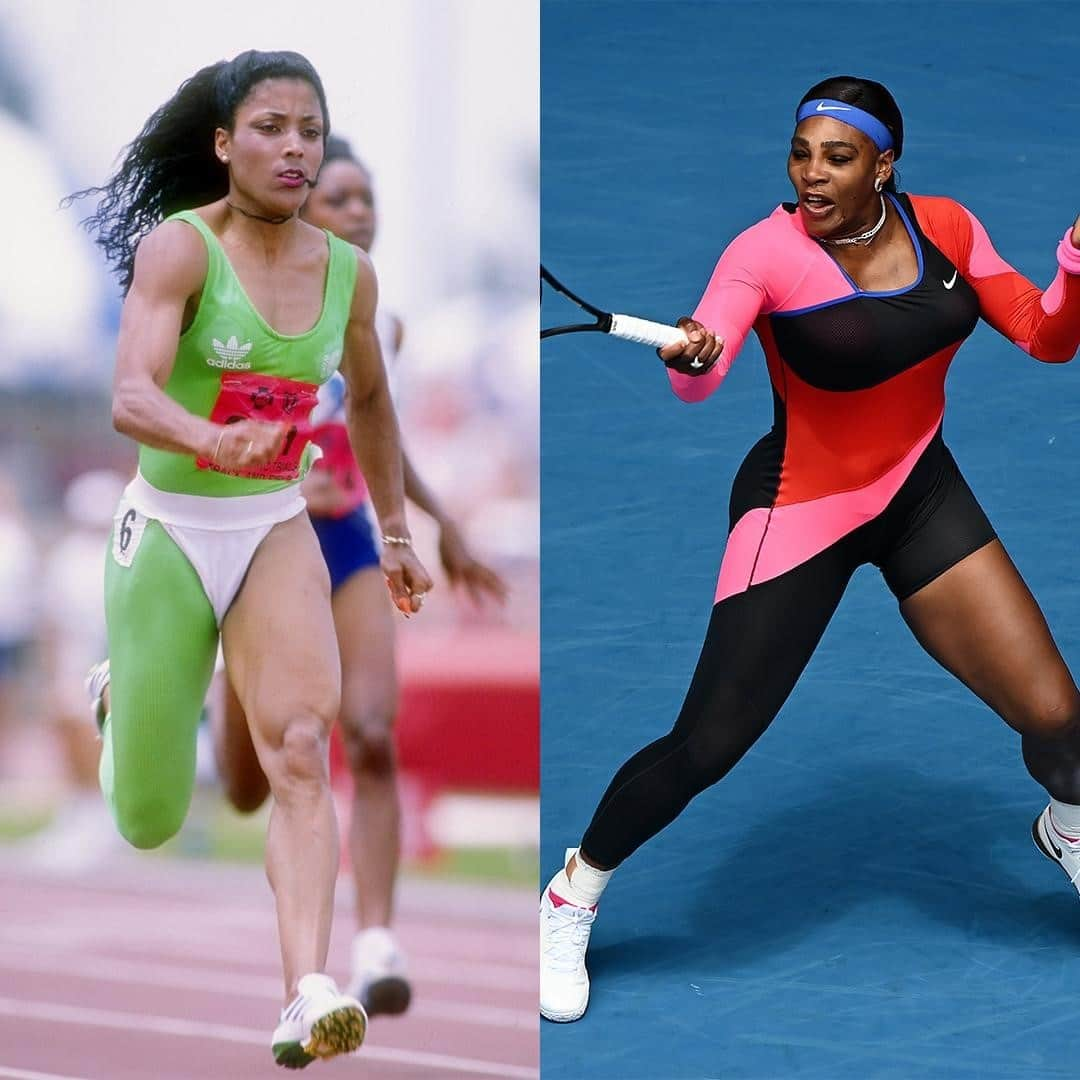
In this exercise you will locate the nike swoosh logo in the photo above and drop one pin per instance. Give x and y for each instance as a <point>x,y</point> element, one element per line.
<point>822,107</point>
<point>951,282</point>
<point>1047,829</point>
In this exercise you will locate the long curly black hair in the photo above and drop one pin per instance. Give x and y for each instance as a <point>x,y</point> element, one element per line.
<point>171,165</point>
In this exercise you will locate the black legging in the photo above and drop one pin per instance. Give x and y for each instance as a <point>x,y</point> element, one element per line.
<point>757,645</point>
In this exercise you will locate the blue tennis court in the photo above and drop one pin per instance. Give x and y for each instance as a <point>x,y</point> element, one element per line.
<point>861,897</point>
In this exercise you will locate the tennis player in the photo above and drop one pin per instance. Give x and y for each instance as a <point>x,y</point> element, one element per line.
<point>860,296</point>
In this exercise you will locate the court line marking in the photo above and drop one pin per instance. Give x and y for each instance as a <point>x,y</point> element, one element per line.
<point>257,986</point>
<point>167,1025</point>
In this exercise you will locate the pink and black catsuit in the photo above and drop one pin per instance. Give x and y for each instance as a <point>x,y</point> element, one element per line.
<point>854,469</point>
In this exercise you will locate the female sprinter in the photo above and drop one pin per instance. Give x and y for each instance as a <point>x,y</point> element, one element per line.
<point>236,311</point>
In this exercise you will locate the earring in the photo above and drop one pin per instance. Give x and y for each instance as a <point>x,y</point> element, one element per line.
<point>877,183</point>
<point>224,159</point>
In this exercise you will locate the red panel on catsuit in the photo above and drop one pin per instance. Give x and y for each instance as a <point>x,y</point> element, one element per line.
<point>859,378</point>
<point>839,441</point>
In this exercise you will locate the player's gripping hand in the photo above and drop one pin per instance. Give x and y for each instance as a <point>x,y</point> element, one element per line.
<point>698,355</point>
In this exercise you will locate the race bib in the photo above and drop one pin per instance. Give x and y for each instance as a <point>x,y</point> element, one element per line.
<point>245,396</point>
<point>340,462</point>
<point>128,528</point>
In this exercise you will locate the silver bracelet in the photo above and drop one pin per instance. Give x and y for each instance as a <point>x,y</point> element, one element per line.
<point>402,541</point>
<point>217,445</point>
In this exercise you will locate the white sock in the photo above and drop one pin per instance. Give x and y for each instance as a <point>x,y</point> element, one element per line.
<point>1066,817</point>
<point>587,883</point>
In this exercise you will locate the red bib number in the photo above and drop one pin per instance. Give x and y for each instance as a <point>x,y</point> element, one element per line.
<point>275,400</point>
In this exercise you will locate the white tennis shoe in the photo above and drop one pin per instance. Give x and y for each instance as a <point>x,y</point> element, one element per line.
<point>564,937</point>
<point>1057,846</point>
<point>320,1022</point>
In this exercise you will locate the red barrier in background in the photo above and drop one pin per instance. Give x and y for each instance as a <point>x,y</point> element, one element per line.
<point>469,720</point>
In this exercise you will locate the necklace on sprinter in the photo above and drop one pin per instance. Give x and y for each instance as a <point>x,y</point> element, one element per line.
<point>862,238</point>
<point>289,217</point>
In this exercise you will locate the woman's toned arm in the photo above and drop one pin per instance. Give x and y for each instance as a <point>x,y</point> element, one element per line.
<point>170,268</point>
<point>376,441</point>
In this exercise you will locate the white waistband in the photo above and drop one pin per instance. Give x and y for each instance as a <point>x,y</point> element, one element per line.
<point>222,514</point>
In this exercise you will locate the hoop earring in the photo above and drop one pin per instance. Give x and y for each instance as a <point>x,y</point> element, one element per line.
<point>878,184</point>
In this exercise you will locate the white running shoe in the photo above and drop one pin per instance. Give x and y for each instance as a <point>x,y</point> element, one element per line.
<point>1057,846</point>
<point>564,937</point>
<point>320,1022</point>
<point>378,973</point>
<point>97,679</point>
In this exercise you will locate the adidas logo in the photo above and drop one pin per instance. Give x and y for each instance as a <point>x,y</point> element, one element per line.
<point>231,355</point>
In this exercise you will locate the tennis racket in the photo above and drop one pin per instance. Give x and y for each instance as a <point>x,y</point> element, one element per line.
<point>626,327</point>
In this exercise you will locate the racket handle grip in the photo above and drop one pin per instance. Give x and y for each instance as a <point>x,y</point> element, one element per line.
<point>645,332</point>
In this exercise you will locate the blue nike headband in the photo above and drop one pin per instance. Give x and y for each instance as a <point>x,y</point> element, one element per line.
<point>869,125</point>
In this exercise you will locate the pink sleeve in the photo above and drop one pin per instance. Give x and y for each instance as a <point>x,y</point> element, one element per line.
<point>735,295</point>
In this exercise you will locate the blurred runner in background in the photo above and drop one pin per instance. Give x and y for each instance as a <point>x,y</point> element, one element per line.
<point>72,637</point>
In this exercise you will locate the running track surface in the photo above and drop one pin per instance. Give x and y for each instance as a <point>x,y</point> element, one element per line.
<point>860,899</point>
<point>154,969</point>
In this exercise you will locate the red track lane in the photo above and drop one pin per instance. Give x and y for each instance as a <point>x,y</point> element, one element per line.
<point>154,969</point>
